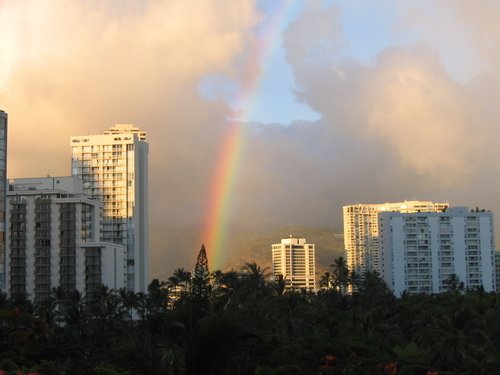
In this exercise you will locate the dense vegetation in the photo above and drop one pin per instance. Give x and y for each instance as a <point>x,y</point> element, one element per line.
<point>244,245</point>
<point>239,323</point>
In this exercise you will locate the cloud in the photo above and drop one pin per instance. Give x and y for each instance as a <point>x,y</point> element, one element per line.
<point>406,101</point>
<point>401,127</point>
<point>77,67</point>
<point>71,68</point>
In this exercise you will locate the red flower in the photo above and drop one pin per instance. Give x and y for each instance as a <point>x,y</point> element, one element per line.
<point>330,359</point>
<point>390,368</point>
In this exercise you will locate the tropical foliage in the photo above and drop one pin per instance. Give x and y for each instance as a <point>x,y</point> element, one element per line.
<point>244,322</point>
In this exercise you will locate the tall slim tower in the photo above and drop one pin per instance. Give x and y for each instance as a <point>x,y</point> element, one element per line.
<point>114,169</point>
<point>3,191</point>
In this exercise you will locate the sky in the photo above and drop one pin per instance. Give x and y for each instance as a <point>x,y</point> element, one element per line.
<point>334,102</point>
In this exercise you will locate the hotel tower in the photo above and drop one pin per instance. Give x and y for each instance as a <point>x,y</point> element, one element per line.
<point>361,230</point>
<point>421,251</point>
<point>114,169</point>
<point>294,259</point>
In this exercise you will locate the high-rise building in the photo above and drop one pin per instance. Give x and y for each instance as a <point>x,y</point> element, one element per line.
<point>114,169</point>
<point>53,240</point>
<point>294,259</point>
<point>3,190</point>
<point>497,270</point>
<point>361,230</point>
<point>421,250</point>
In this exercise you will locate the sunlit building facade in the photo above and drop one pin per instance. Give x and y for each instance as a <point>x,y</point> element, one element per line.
<point>3,190</point>
<point>114,169</point>
<point>294,259</point>
<point>421,250</point>
<point>53,240</point>
<point>361,231</point>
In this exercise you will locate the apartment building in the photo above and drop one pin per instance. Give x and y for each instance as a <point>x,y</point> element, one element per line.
<point>497,269</point>
<point>3,190</point>
<point>361,231</point>
<point>294,259</point>
<point>114,170</point>
<point>421,250</point>
<point>53,240</point>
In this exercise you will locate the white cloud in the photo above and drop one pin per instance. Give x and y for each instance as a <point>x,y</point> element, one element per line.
<point>400,128</point>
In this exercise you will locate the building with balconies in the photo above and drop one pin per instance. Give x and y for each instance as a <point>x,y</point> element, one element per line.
<point>420,251</point>
<point>53,240</point>
<point>114,170</point>
<point>361,230</point>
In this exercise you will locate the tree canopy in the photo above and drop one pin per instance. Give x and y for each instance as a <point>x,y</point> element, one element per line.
<point>245,323</point>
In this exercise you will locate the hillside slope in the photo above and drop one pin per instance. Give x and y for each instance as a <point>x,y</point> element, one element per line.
<point>249,247</point>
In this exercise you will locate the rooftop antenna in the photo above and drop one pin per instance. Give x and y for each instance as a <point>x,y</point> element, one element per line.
<point>48,172</point>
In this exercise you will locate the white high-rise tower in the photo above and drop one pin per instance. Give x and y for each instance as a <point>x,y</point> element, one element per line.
<point>420,251</point>
<point>294,259</point>
<point>114,169</point>
<point>361,230</point>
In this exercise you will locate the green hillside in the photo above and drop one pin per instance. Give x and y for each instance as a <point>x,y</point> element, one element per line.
<point>179,248</point>
<point>249,247</point>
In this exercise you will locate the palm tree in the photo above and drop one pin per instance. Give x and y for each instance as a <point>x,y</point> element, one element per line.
<point>229,280</point>
<point>158,295</point>
<point>183,277</point>
<point>216,277</point>
<point>57,299</point>
<point>128,301</point>
<point>455,286</point>
<point>255,275</point>
<point>106,303</point>
<point>326,280</point>
<point>279,284</point>
<point>229,285</point>
<point>75,312</point>
<point>173,282</point>
<point>143,305</point>
<point>354,280</point>
<point>373,291</point>
<point>340,274</point>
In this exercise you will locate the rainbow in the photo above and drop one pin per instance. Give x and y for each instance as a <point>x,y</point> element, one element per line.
<point>232,144</point>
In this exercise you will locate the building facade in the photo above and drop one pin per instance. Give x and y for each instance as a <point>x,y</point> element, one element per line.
<point>497,270</point>
<point>53,240</point>
<point>3,196</point>
<point>361,232</point>
<point>421,250</point>
<point>294,259</point>
<point>114,169</point>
